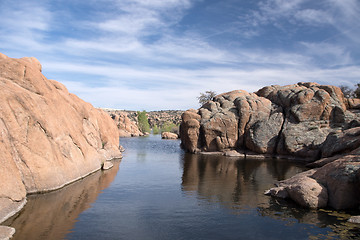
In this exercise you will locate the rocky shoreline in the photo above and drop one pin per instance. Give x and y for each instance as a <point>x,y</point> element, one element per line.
<point>304,121</point>
<point>49,137</point>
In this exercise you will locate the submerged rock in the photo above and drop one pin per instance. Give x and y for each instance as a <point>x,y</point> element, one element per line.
<point>48,136</point>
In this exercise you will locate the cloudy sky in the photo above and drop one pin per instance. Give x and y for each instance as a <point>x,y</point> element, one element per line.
<point>160,54</point>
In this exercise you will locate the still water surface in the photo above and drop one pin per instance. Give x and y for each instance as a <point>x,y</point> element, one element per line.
<point>160,192</point>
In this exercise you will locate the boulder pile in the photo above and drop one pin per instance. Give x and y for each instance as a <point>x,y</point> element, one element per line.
<point>301,120</point>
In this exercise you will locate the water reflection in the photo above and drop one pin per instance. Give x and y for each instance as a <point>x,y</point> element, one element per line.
<point>219,198</point>
<point>231,181</point>
<point>239,184</point>
<point>53,215</point>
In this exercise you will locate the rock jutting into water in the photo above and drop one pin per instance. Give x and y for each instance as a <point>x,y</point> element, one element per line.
<point>127,125</point>
<point>48,136</point>
<point>306,121</point>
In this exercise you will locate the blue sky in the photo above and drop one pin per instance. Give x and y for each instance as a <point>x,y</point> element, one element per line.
<point>160,54</point>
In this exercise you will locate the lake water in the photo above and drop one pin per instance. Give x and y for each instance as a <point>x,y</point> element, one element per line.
<point>159,192</point>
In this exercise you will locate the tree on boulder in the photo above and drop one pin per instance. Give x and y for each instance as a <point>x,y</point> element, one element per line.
<point>205,97</point>
<point>350,93</point>
<point>357,91</point>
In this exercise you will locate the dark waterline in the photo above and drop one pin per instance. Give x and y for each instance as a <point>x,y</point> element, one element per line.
<point>159,192</point>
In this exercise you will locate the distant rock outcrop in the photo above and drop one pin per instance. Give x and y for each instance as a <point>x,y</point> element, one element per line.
<point>159,118</point>
<point>127,121</point>
<point>48,136</point>
<point>127,126</point>
<point>307,121</point>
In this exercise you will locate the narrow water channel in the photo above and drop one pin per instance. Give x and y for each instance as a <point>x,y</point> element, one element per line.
<point>159,192</point>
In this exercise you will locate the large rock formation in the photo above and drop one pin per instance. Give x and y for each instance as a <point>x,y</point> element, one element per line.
<point>48,136</point>
<point>293,120</point>
<point>307,121</point>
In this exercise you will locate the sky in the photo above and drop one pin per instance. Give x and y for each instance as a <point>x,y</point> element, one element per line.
<point>161,54</point>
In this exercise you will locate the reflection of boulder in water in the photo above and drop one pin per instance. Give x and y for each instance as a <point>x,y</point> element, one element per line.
<point>53,215</point>
<point>290,212</point>
<point>233,181</point>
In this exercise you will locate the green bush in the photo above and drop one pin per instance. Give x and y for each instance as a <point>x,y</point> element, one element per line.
<point>170,127</point>
<point>156,130</point>
<point>143,121</point>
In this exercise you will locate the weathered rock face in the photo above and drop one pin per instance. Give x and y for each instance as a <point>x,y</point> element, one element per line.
<point>48,136</point>
<point>342,178</point>
<point>127,127</point>
<point>190,130</point>
<point>293,120</point>
<point>341,142</point>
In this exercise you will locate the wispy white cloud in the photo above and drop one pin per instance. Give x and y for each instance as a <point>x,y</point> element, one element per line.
<point>217,79</point>
<point>313,16</point>
<point>24,25</point>
<point>341,14</point>
<point>139,18</point>
<point>347,18</point>
<point>133,54</point>
<point>177,88</point>
<point>25,17</point>
<point>330,54</point>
